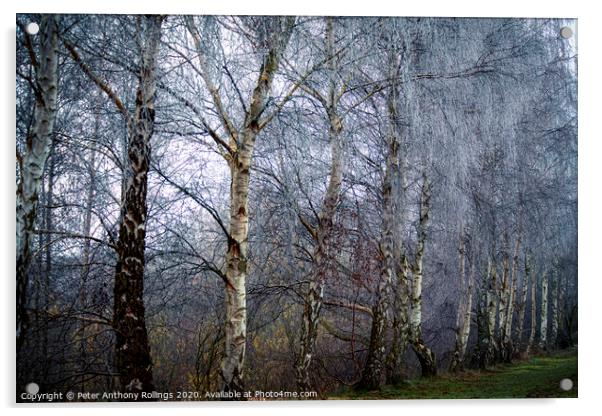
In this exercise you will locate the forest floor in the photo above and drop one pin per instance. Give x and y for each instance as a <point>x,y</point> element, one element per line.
<point>536,377</point>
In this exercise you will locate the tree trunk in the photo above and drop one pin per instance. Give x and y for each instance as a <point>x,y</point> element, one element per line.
<point>533,329</point>
<point>464,313</point>
<point>37,149</point>
<point>507,339</point>
<point>553,342</point>
<point>48,225</point>
<point>87,229</point>
<point>504,300</point>
<point>315,294</point>
<point>132,349</point>
<point>426,357</point>
<point>392,266</point>
<point>236,269</point>
<point>401,291</point>
<point>482,326</point>
<point>239,154</point>
<point>543,329</point>
<point>491,308</point>
<point>372,374</point>
<point>522,305</point>
<point>401,332</point>
<point>232,364</point>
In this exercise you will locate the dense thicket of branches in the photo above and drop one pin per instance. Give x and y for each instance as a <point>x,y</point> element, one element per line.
<point>280,203</point>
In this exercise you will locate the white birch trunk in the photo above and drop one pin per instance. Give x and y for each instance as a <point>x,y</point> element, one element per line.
<point>425,355</point>
<point>522,304</point>
<point>543,329</point>
<point>507,339</point>
<point>315,294</point>
<point>33,160</point>
<point>554,306</point>
<point>491,312</point>
<point>464,311</point>
<point>371,376</point>
<point>504,295</point>
<point>232,365</point>
<point>533,329</point>
<point>238,151</point>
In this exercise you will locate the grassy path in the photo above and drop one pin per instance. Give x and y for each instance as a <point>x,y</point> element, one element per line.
<point>536,377</point>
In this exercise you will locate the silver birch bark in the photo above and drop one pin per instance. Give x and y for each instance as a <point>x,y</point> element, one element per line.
<point>522,304</point>
<point>232,365</point>
<point>507,346</point>
<point>394,267</point>
<point>315,294</point>
<point>463,320</point>
<point>132,349</point>
<point>401,309</point>
<point>554,306</point>
<point>33,160</point>
<point>543,328</point>
<point>240,157</point>
<point>491,313</point>
<point>562,282</point>
<point>372,373</point>
<point>401,267</point>
<point>504,295</point>
<point>426,357</point>
<point>533,290</point>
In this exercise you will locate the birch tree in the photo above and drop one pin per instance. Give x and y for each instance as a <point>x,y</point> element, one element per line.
<point>522,303</point>
<point>32,160</point>
<point>321,234</point>
<point>464,313</point>
<point>507,345</point>
<point>375,362</point>
<point>533,314</point>
<point>132,350</point>
<point>543,326</point>
<point>554,309</point>
<point>273,35</point>
<point>425,355</point>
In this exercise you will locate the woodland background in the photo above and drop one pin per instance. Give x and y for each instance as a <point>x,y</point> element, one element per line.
<point>219,203</point>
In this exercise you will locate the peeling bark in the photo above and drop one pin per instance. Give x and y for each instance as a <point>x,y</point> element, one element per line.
<point>132,349</point>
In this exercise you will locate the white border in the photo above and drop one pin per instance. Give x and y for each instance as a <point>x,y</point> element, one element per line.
<point>590,160</point>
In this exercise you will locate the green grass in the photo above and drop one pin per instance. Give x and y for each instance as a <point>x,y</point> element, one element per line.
<point>537,377</point>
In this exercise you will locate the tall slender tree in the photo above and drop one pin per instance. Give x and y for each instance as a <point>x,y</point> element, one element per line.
<point>32,160</point>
